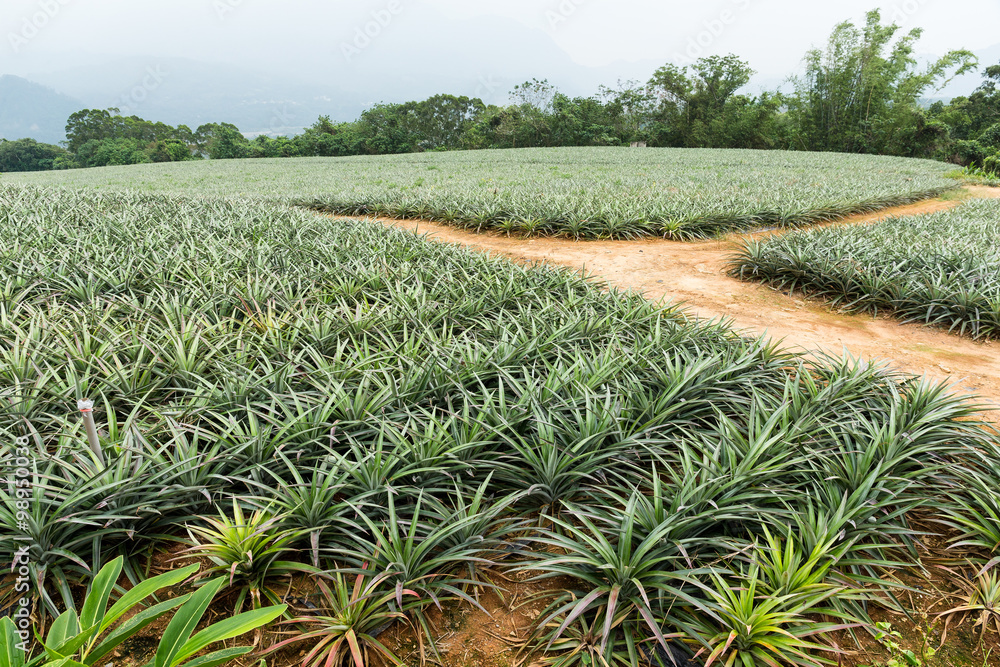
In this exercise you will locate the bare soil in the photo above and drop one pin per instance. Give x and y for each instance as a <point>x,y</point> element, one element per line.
<point>495,635</point>
<point>694,274</point>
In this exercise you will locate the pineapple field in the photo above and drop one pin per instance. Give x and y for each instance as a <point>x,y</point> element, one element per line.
<point>582,193</point>
<point>328,442</point>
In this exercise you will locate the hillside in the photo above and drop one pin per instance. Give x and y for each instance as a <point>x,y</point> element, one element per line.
<point>28,109</point>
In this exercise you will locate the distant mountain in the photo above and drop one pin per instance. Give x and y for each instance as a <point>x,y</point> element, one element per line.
<point>31,110</point>
<point>298,79</point>
<point>181,91</point>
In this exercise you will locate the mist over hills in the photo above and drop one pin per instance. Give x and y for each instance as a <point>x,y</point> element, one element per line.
<point>31,110</point>
<point>181,91</point>
<point>289,83</point>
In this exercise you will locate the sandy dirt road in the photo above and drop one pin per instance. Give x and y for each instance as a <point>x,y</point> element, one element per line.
<point>693,274</point>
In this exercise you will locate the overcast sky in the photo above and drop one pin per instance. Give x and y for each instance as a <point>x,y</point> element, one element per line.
<point>772,34</point>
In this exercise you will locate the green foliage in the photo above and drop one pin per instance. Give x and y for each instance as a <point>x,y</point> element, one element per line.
<point>632,574</point>
<point>110,503</point>
<point>749,629</point>
<point>991,166</point>
<point>980,599</point>
<point>99,138</point>
<point>89,636</point>
<point>310,503</point>
<point>977,175</point>
<point>29,155</point>
<point>899,656</point>
<point>440,122</point>
<point>537,93</point>
<point>100,125</point>
<point>349,621</point>
<point>111,152</point>
<point>971,153</point>
<point>417,554</point>
<point>603,194</point>
<point>580,193</point>
<point>328,139</point>
<point>969,117</point>
<point>168,150</point>
<point>225,142</point>
<point>697,106</point>
<point>974,507</point>
<point>860,93</point>
<point>586,643</point>
<point>990,137</point>
<point>250,551</point>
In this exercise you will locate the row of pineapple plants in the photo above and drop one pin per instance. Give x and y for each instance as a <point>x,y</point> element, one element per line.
<point>941,269</point>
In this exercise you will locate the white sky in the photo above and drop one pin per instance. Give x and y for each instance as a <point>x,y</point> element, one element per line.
<point>772,35</point>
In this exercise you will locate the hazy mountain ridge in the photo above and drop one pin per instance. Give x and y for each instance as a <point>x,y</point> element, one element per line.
<point>179,91</point>
<point>28,109</point>
<point>290,88</point>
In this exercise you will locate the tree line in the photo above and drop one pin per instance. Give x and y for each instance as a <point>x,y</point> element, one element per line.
<point>861,93</point>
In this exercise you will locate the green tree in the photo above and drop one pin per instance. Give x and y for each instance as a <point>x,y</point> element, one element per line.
<point>983,106</point>
<point>524,126</point>
<point>101,136</point>
<point>93,125</point>
<point>223,141</point>
<point>750,122</point>
<point>441,121</point>
<point>28,155</point>
<point>111,152</point>
<point>329,139</point>
<point>536,93</point>
<point>388,129</point>
<point>168,150</point>
<point>860,94</point>
<point>581,121</point>
<point>696,106</point>
<point>629,108</point>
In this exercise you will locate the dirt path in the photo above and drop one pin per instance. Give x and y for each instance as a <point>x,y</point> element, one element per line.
<point>694,274</point>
